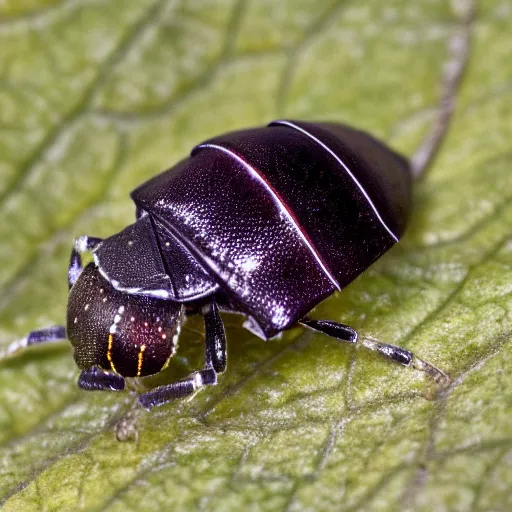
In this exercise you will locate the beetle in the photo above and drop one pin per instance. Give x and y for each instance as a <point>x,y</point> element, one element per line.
<point>267,222</point>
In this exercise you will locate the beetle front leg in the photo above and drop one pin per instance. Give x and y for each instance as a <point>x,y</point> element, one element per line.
<point>48,335</point>
<point>344,333</point>
<point>96,379</point>
<point>215,360</point>
<point>82,244</point>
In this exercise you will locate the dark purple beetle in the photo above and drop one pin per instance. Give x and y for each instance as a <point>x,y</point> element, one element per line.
<point>266,222</point>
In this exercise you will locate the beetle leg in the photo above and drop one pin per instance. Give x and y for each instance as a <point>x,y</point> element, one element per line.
<point>333,329</point>
<point>181,389</point>
<point>48,335</point>
<point>215,339</point>
<point>96,379</point>
<point>214,362</point>
<point>397,354</point>
<point>82,244</point>
<point>406,358</point>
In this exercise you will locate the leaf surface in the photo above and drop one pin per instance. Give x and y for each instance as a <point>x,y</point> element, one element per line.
<point>96,96</point>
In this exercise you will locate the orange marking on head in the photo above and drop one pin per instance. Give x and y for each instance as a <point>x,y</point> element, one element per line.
<point>141,359</point>
<point>109,352</point>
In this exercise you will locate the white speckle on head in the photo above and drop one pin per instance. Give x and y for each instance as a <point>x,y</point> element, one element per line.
<point>167,244</point>
<point>164,337</point>
<point>146,324</point>
<point>132,319</point>
<point>86,307</point>
<point>101,290</point>
<point>112,329</point>
<point>117,319</point>
<point>121,310</point>
<point>159,329</point>
<point>104,299</point>
<point>75,320</point>
<point>130,243</point>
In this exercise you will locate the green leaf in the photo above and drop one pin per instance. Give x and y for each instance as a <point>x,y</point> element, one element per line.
<point>98,95</point>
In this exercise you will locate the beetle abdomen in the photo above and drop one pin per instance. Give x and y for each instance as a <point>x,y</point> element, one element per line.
<point>283,215</point>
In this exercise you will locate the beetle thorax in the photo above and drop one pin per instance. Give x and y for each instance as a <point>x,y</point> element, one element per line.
<point>130,335</point>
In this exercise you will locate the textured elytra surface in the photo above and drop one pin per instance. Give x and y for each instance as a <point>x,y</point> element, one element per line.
<point>95,96</point>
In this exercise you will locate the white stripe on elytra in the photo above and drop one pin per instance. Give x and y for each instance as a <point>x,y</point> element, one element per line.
<point>291,125</point>
<point>254,173</point>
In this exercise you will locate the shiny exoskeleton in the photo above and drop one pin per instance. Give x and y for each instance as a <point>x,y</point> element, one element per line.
<point>266,222</point>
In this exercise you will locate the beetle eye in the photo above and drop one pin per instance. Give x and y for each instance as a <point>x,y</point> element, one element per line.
<point>128,334</point>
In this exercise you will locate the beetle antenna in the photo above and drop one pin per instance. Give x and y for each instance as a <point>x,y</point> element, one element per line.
<point>459,46</point>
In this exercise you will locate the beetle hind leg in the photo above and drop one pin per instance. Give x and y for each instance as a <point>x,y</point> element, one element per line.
<point>406,358</point>
<point>215,361</point>
<point>399,355</point>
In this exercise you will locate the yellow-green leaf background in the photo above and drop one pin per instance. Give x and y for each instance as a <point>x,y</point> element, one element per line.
<point>98,95</point>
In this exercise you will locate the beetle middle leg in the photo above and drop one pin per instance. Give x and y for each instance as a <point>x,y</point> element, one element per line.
<point>96,379</point>
<point>215,361</point>
<point>344,333</point>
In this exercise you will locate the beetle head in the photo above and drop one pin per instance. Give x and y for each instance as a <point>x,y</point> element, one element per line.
<point>129,334</point>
